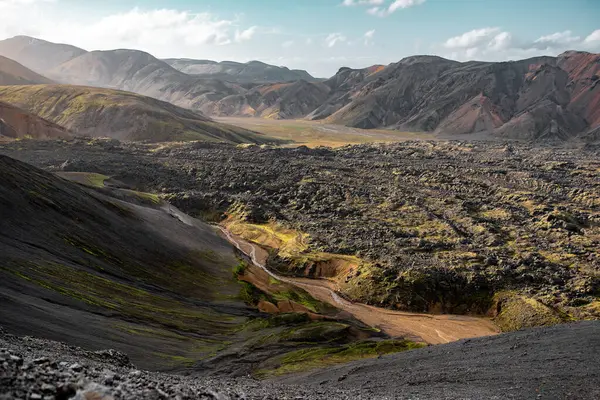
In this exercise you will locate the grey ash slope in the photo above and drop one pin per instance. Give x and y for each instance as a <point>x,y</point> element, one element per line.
<point>559,362</point>
<point>140,72</point>
<point>86,268</point>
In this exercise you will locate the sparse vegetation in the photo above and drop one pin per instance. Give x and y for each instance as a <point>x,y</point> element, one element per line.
<point>307,359</point>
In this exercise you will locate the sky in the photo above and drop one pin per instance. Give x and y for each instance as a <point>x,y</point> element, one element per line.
<point>319,36</point>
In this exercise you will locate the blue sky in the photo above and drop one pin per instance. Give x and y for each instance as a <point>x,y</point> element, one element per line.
<point>317,35</point>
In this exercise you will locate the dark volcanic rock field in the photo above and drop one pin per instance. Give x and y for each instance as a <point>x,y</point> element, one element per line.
<point>442,226</point>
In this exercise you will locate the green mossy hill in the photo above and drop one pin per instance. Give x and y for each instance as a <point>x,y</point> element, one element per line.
<point>122,115</point>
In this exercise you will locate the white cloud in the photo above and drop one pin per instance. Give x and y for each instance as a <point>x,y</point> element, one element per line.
<point>471,39</point>
<point>287,44</point>
<point>376,11</point>
<point>493,44</point>
<point>400,4</point>
<point>395,6</point>
<point>350,3</point>
<point>555,39</point>
<point>309,41</point>
<point>368,37</point>
<point>143,28</point>
<point>334,38</point>
<point>593,37</point>
<point>155,31</point>
<point>245,35</point>
<point>501,41</point>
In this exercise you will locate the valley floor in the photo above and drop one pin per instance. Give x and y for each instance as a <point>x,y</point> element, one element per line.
<point>316,133</point>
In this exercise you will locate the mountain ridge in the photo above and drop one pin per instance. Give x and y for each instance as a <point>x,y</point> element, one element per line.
<point>251,71</point>
<point>540,98</point>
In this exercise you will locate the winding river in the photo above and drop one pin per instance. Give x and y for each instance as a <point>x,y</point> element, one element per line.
<point>429,328</point>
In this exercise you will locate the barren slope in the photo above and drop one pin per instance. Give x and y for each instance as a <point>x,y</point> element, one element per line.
<point>550,363</point>
<point>121,115</point>
<point>140,72</point>
<point>13,73</point>
<point>273,101</point>
<point>16,124</point>
<point>539,98</point>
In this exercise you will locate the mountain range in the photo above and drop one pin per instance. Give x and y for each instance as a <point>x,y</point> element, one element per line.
<point>538,98</point>
<point>33,106</point>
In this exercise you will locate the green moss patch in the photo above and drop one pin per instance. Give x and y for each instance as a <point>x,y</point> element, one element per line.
<point>311,358</point>
<point>515,312</point>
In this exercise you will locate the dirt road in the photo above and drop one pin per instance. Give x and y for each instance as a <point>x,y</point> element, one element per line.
<point>433,329</point>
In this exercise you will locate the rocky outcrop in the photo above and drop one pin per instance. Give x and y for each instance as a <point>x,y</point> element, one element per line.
<point>35,368</point>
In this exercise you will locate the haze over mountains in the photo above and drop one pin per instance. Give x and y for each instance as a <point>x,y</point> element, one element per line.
<point>538,98</point>
<point>13,73</point>
<point>252,71</point>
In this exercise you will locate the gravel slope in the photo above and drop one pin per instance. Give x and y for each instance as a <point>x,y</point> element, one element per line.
<point>32,368</point>
<point>559,362</point>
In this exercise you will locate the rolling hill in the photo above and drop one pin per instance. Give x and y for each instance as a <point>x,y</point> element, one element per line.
<point>252,71</point>
<point>140,72</point>
<point>275,101</point>
<point>13,73</point>
<point>121,115</point>
<point>18,124</point>
<point>36,54</point>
